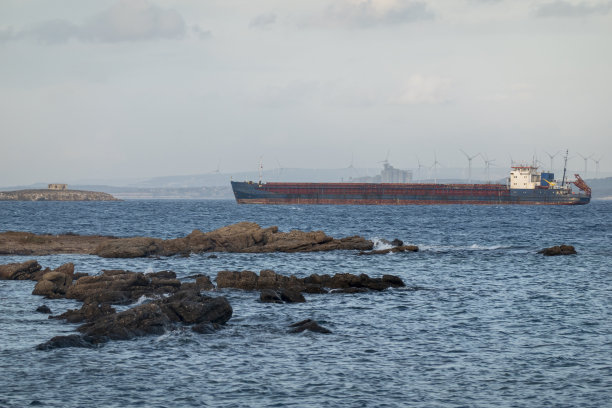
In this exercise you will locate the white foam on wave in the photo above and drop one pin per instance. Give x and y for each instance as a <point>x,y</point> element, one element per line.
<point>142,300</point>
<point>149,269</point>
<point>380,244</point>
<point>473,247</point>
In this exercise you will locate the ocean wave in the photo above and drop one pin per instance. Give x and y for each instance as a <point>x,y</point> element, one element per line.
<point>473,247</point>
<point>381,243</point>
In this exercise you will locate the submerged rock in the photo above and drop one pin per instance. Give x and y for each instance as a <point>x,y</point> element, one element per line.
<point>308,324</point>
<point>558,250</point>
<point>43,309</point>
<point>72,340</point>
<point>282,296</point>
<point>402,248</point>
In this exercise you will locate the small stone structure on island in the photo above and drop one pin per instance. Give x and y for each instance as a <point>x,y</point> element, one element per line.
<point>56,186</point>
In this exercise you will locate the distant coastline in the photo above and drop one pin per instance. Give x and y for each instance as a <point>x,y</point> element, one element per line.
<point>55,195</point>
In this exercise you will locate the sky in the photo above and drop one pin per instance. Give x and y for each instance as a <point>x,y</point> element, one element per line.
<point>133,89</point>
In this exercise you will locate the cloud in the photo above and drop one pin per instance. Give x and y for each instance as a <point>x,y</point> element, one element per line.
<point>263,20</point>
<point>372,13</point>
<point>134,20</point>
<point>201,33</point>
<point>419,89</point>
<point>562,8</point>
<point>127,20</point>
<point>6,34</point>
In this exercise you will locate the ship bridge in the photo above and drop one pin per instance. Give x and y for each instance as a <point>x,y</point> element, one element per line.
<point>525,177</point>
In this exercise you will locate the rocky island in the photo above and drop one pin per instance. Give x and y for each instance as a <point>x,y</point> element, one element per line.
<point>55,195</point>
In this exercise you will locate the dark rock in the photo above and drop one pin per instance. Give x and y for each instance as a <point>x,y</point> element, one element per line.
<point>122,287</point>
<point>403,248</point>
<point>162,275</point>
<point>213,256</point>
<point>308,324</point>
<point>393,281</point>
<point>316,289</point>
<point>269,296</point>
<point>43,309</point>
<point>87,313</point>
<point>28,270</point>
<point>73,340</point>
<point>204,283</point>
<point>268,279</point>
<point>291,296</point>
<point>397,242</point>
<point>205,328</point>
<point>191,307</point>
<point>187,307</point>
<point>558,250</point>
<point>129,248</point>
<point>54,284</point>
<point>245,280</point>
<point>350,290</point>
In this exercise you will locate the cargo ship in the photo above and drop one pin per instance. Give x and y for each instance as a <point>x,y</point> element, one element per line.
<point>526,185</point>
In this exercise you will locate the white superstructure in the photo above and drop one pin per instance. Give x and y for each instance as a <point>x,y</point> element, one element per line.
<point>525,177</point>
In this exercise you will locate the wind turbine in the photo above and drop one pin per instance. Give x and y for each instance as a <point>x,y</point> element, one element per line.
<point>280,168</point>
<point>469,164</point>
<point>487,167</point>
<point>419,169</point>
<point>434,166</point>
<point>352,160</point>
<point>597,166</point>
<point>586,158</point>
<point>552,156</point>
<point>386,161</point>
<point>511,160</point>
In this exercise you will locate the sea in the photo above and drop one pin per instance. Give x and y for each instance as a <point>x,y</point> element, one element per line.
<point>484,320</point>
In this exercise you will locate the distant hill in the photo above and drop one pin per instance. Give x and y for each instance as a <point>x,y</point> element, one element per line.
<point>217,185</point>
<point>601,187</point>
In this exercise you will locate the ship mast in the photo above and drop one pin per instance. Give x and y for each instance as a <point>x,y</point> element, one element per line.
<point>260,169</point>
<point>564,168</point>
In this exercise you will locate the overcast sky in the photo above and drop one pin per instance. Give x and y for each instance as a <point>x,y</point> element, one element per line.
<point>135,89</point>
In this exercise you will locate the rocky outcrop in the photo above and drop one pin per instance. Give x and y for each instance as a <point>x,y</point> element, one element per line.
<point>54,284</point>
<point>26,243</point>
<point>308,324</point>
<point>28,270</point>
<point>241,237</point>
<point>558,250</point>
<point>250,237</point>
<point>138,247</point>
<point>55,195</point>
<point>122,287</point>
<point>185,306</point>
<point>155,318</point>
<point>267,279</point>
